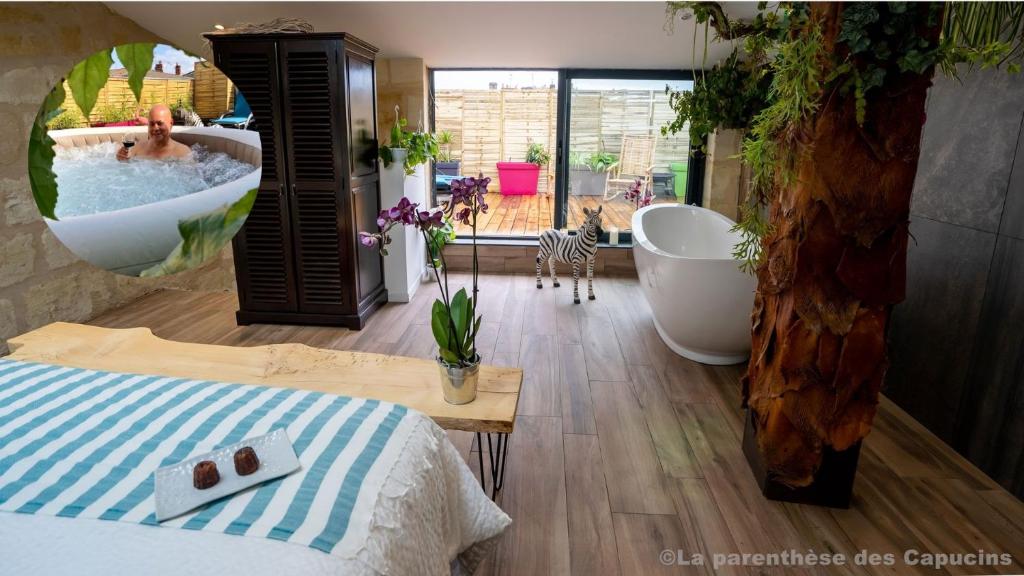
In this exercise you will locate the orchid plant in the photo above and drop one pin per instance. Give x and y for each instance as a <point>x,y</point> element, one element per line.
<point>638,195</point>
<point>453,319</point>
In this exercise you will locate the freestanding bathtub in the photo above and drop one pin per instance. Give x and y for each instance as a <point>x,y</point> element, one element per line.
<point>130,240</point>
<point>700,299</point>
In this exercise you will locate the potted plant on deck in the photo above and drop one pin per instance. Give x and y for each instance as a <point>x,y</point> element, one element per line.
<point>453,317</point>
<point>446,164</point>
<point>520,178</point>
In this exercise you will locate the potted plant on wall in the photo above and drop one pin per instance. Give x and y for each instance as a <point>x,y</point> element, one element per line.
<point>520,178</point>
<point>446,164</point>
<point>453,317</point>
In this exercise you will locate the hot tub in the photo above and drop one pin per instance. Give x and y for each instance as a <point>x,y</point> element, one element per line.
<point>700,299</point>
<point>129,240</point>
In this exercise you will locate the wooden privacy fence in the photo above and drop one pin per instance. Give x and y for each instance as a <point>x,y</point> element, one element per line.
<point>489,126</point>
<point>213,93</point>
<point>116,100</point>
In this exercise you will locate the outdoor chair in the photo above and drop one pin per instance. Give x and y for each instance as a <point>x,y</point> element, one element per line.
<point>636,161</point>
<point>239,118</point>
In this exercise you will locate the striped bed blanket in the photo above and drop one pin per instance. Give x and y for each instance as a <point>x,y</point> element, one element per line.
<point>79,443</point>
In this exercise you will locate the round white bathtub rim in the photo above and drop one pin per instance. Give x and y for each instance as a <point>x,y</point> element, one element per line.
<point>640,237</point>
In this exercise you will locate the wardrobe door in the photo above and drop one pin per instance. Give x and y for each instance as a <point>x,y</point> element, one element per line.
<point>263,251</point>
<point>365,177</point>
<point>314,125</point>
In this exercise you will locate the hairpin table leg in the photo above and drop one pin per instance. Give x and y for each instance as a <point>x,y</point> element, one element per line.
<point>497,457</point>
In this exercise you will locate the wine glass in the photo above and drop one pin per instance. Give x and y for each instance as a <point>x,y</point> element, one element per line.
<point>128,140</point>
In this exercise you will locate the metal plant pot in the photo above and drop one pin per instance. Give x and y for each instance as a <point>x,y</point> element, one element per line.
<point>459,382</point>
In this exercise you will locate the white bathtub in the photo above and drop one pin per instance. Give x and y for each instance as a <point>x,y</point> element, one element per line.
<point>130,240</point>
<point>700,298</point>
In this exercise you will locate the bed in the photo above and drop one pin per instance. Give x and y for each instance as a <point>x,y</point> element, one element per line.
<point>381,490</point>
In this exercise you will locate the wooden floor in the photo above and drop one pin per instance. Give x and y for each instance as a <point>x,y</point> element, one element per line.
<point>531,215</point>
<point>623,450</point>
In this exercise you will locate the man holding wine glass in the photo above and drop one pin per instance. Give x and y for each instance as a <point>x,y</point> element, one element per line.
<point>160,145</point>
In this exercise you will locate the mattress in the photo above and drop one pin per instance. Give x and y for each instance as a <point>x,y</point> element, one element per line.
<point>380,491</point>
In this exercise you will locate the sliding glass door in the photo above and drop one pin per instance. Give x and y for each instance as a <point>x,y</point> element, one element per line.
<point>612,140</point>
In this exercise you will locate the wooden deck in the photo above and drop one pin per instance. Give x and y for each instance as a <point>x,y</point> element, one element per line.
<point>531,215</point>
<point>622,449</point>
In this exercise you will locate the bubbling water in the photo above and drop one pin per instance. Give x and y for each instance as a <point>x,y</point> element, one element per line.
<point>90,179</point>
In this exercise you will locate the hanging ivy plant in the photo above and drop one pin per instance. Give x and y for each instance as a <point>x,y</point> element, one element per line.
<point>727,96</point>
<point>421,147</point>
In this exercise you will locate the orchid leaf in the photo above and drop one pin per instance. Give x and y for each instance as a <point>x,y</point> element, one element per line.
<point>460,314</point>
<point>439,324</point>
<point>137,59</point>
<point>87,78</point>
<point>41,155</point>
<point>203,236</point>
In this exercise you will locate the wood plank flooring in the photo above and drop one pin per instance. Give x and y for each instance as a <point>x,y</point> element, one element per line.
<point>531,215</point>
<point>623,449</point>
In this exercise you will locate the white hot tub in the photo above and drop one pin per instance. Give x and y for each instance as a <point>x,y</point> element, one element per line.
<point>129,240</point>
<point>700,299</point>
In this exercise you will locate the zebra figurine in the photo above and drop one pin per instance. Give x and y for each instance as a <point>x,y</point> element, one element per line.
<point>574,249</point>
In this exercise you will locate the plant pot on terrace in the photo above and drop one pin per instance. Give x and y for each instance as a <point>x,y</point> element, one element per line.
<point>518,178</point>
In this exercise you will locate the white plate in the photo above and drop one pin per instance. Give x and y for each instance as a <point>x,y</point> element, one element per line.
<point>175,494</point>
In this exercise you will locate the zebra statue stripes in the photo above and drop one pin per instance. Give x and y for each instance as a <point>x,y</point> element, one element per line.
<point>572,249</point>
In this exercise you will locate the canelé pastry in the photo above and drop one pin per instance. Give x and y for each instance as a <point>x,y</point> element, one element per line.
<point>246,461</point>
<point>205,475</point>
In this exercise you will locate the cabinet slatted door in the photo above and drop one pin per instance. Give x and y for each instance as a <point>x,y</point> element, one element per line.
<point>312,121</point>
<point>299,260</point>
<point>263,250</point>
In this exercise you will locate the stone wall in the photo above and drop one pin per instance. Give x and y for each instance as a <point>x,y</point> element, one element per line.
<point>40,280</point>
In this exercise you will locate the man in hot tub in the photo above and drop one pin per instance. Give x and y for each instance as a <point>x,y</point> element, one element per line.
<point>160,145</point>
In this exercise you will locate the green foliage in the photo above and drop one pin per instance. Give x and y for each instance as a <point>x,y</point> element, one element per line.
<point>437,238</point>
<point>989,34</point>
<point>601,161</point>
<point>203,236</point>
<point>877,42</point>
<point>115,113</point>
<point>67,118</point>
<point>137,59</point>
<point>455,333</point>
<point>727,96</point>
<point>577,160</point>
<point>420,147</point>
<point>883,40</point>
<point>444,141</point>
<point>87,78</point>
<point>537,154</point>
<point>41,154</point>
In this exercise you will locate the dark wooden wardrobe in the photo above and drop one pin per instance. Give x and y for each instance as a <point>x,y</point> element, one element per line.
<point>298,259</point>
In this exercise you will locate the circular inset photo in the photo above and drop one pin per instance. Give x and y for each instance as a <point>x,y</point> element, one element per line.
<point>144,160</point>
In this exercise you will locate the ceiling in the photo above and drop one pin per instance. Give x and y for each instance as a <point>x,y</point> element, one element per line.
<point>466,34</point>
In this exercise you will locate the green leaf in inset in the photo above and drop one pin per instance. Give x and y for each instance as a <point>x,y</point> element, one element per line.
<point>41,154</point>
<point>87,78</point>
<point>204,236</point>
<point>460,313</point>
<point>137,59</point>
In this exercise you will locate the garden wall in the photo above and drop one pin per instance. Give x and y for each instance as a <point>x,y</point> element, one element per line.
<point>40,280</point>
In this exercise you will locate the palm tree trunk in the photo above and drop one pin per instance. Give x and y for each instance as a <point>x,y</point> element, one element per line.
<point>834,266</point>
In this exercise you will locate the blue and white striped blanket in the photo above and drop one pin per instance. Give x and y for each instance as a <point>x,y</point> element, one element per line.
<point>84,444</point>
